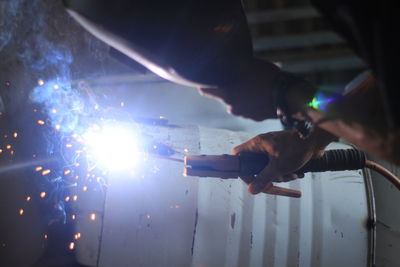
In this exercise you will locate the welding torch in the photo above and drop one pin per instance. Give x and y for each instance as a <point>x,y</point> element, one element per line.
<point>249,164</point>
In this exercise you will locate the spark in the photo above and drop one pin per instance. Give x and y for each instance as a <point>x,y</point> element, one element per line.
<point>8,147</point>
<point>54,111</point>
<point>41,122</point>
<point>21,211</point>
<point>43,194</point>
<point>77,236</point>
<point>34,110</point>
<point>1,150</point>
<point>77,164</point>
<point>73,217</point>
<point>122,104</point>
<point>58,127</point>
<point>56,86</point>
<point>45,172</point>
<point>84,188</point>
<point>66,172</point>
<point>38,168</point>
<point>28,198</point>
<point>68,145</point>
<point>45,236</point>
<point>148,217</point>
<point>186,150</point>
<point>93,216</point>
<point>77,177</point>
<point>162,117</point>
<point>15,134</point>
<point>40,82</point>
<point>75,198</point>
<point>96,107</point>
<point>12,152</point>
<point>66,198</point>
<point>71,246</point>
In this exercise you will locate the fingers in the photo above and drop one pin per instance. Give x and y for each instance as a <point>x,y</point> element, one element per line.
<point>264,179</point>
<point>218,93</point>
<point>248,179</point>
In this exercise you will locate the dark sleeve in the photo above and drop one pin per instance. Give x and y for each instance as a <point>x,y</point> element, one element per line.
<point>371,29</point>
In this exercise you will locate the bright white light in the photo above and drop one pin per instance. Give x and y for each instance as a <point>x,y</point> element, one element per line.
<point>113,147</point>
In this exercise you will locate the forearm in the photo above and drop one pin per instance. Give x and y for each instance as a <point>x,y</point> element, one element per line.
<point>359,118</point>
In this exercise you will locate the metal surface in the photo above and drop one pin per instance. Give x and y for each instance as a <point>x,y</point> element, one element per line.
<point>156,217</point>
<point>371,223</point>
<point>387,218</point>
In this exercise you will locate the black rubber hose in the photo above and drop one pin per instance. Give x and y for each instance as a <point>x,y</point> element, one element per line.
<point>332,160</point>
<point>336,160</point>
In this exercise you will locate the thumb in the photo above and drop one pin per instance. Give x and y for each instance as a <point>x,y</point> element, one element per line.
<point>264,179</point>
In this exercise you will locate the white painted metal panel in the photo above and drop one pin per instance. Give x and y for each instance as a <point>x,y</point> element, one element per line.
<point>159,218</point>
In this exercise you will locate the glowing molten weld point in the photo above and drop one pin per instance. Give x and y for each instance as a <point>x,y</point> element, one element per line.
<point>114,148</point>
<point>71,245</point>
<point>93,216</point>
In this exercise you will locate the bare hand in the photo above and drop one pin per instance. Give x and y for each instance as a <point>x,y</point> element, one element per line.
<point>287,153</point>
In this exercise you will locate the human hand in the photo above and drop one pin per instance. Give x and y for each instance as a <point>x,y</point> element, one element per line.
<point>287,153</point>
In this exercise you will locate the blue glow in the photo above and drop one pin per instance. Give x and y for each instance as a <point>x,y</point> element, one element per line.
<point>321,101</point>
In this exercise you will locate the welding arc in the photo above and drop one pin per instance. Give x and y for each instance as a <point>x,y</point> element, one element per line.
<point>384,172</point>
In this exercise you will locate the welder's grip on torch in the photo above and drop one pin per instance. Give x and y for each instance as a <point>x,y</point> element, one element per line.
<point>248,164</point>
